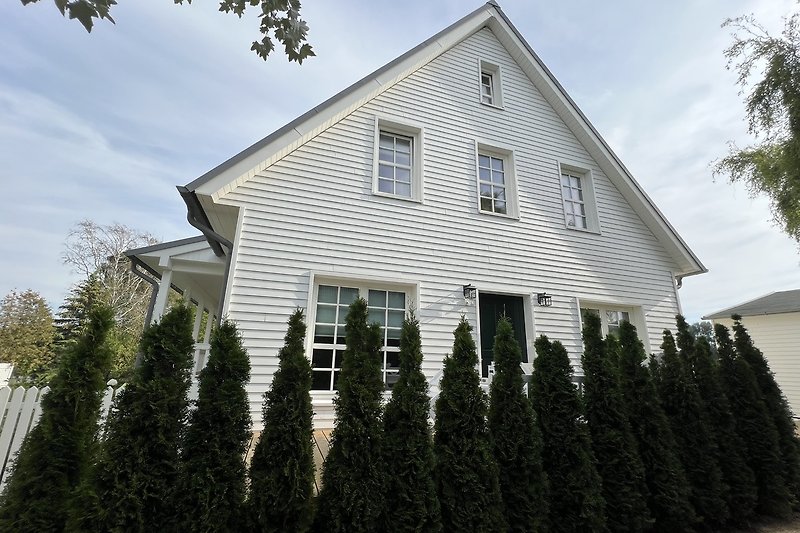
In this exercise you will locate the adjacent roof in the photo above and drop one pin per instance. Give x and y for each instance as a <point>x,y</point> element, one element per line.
<point>218,182</point>
<point>773,303</point>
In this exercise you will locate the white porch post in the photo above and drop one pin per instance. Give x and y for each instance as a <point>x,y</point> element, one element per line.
<point>209,323</point>
<point>163,295</point>
<point>198,317</point>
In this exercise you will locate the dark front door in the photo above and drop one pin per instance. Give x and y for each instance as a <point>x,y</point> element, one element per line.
<point>492,307</point>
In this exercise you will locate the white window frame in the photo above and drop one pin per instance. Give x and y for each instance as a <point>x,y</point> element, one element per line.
<point>493,71</point>
<point>509,176</point>
<point>635,313</point>
<point>415,133</point>
<point>363,284</point>
<point>587,190</point>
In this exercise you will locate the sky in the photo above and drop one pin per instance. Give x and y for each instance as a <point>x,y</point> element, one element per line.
<point>104,125</point>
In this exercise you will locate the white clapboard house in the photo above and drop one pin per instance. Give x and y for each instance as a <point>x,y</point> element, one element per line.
<point>463,162</point>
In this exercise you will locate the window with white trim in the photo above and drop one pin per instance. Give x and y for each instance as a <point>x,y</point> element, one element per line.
<point>497,188</point>
<point>577,193</point>
<point>398,160</point>
<point>386,307</point>
<point>490,90</point>
<point>610,319</point>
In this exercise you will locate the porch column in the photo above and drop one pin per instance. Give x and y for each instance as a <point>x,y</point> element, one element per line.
<point>198,318</point>
<point>163,295</point>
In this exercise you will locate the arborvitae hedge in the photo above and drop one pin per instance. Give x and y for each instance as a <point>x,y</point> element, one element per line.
<point>696,447</point>
<point>613,444</point>
<point>576,501</point>
<point>666,481</point>
<point>213,470</point>
<point>56,454</point>
<point>742,496</point>
<point>755,427</point>
<point>354,473</point>
<point>137,472</point>
<point>411,501</point>
<point>516,439</point>
<point>777,405</point>
<point>466,473</point>
<point>282,467</point>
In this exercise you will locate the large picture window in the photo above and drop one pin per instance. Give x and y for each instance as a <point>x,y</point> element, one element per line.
<point>386,307</point>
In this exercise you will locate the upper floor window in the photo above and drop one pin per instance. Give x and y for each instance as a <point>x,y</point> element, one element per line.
<point>577,193</point>
<point>386,307</point>
<point>398,160</point>
<point>497,187</point>
<point>490,88</point>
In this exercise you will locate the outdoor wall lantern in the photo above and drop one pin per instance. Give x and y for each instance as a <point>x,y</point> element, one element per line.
<point>470,292</point>
<point>543,299</point>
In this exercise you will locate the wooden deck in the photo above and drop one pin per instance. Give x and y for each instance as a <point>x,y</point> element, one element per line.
<point>322,439</point>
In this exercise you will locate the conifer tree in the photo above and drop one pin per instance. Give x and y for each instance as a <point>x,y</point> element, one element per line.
<point>282,468</point>
<point>776,403</point>
<point>466,473</point>
<point>755,427</point>
<point>213,470</point>
<point>736,473</point>
<point>613,444</point>
<point>354,473</point>
<point>516,439</point>
<point>136,478</point>
<point>695,446</point>
<point>666,481</point>
<point>411,501</point>
<point>576,501</point>
<point>56,454</point>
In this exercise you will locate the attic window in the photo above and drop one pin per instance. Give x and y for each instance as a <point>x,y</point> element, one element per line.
<point>490,88</point>
<point>397,169</point>
<point>577,193</point>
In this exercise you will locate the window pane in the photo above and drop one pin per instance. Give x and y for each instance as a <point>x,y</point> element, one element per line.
<point>396,318</point>
<point>486,190</point>
<point>341,334</point>
<point>377,315</point>
<point>324,334</point>
<point>483,161</point>
<point>499,193</point>
<point>343,314</point>
<point>385,154</point>
<point>348,295</point>
<point>571,220</point>
<point>500,207</point>
<point>402,174</point>
<point>327,294</point>
<point>326,313</point>
<point>337,359</point>
<point>581,222</point>
<point>392,359</point>
<point>498,177</point>
<point>403,159</point>
<point>565,180</point>
<point>577,194</point>
<point>484,174</point>
<point>574,182</point>
<point>568,208</point>
<point>336,380</point>
<point>497,164</point>
<point>624,316</point>
<point>403,189</point>
<point>403,144</point>
<point>377,298</point>
<point>486,204</point>
<point>385,171</point>
<point>392,337</point>
<point>322,358</point>
<point>387,141</point>
<point>397,300</point>
<point>566,192</point>
<point>386,186</point>
<point>321,380</point>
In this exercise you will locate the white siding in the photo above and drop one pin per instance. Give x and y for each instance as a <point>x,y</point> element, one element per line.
<point>778,338</point>
<point>314,211</point>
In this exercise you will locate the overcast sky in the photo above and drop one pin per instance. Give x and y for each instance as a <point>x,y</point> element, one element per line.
<point>104,125</point>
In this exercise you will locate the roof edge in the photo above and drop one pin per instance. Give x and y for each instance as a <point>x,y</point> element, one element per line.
<point>164,246</point>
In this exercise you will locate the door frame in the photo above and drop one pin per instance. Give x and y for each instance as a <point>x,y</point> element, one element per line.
<point>528,299</point>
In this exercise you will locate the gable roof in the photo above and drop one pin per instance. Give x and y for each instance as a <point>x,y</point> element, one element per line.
<point>771,304</point>
<point>216,183</point>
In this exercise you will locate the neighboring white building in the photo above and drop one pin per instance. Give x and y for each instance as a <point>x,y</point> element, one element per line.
<point>462,162</point>
<point>773,322</point>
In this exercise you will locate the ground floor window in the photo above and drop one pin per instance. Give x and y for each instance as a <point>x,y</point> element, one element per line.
<point>387,308</point>
<point>610,318</point>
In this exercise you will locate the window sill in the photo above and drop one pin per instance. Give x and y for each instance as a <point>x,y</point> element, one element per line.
<point>493,106</point>
<point>583,230</point>
<point>395,197</point>
<point>499,215</point>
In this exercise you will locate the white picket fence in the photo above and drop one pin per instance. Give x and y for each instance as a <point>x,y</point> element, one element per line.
<point>20,409</point>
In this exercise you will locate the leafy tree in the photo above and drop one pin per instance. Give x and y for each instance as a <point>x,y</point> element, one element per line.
<point>755,428</point>
<point>776,404</point>
<point>280,21</point>
<point>354,472</point>
<point>466,473</point>
<point>56,454</point>
<point>213,470</point>
<point>282,467</point>
<point>613,444</point>
<point>516,439</point>
<point>576,501</point>
<point>695,445</point>
<point>704,329</point>
<point>97,253</point>
<point>26,336</point>
<point>136,478</point>
<point>771,167</point>
<point>666,482</point>
<point>411,501</point>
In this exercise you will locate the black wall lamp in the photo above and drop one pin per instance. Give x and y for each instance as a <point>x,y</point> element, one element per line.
<point>543,299</point>
<point>470,292</point>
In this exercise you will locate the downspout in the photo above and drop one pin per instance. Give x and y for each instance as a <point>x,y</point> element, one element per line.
<point>196,216</point>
